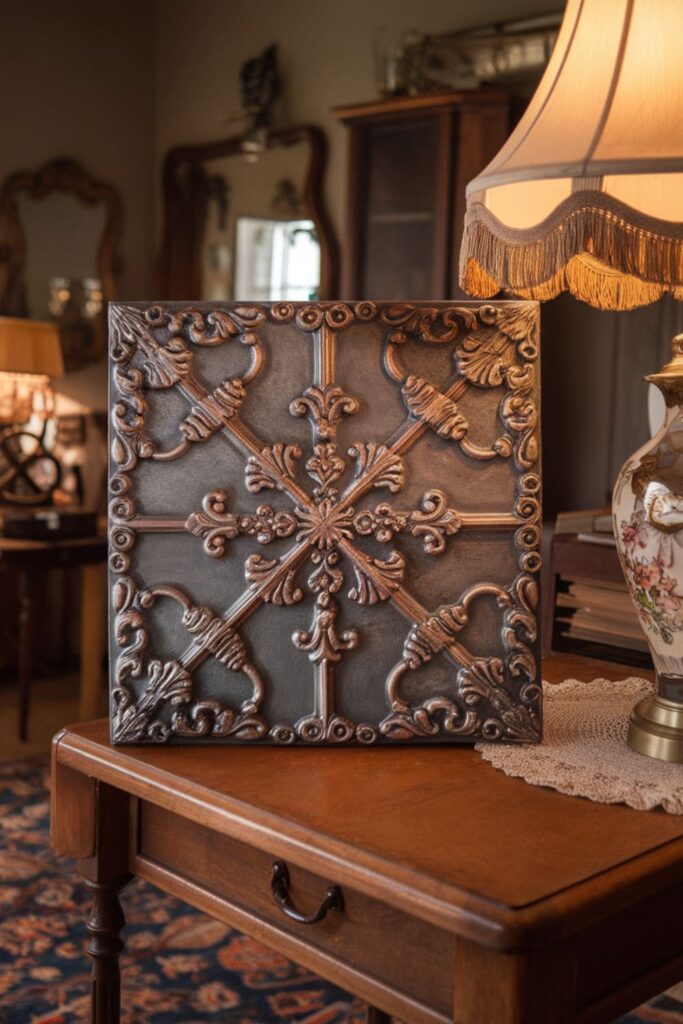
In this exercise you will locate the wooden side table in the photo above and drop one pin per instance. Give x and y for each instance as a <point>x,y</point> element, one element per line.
<point>461,894</point>
<point>30,559</point>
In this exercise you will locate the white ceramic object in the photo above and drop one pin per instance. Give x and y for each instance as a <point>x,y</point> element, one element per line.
<point>648,522</point>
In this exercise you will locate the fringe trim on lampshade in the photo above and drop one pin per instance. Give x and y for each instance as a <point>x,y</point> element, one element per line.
<point>602,251</point>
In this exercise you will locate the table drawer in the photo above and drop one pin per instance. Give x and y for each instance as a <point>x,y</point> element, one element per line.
<point>369,936</point>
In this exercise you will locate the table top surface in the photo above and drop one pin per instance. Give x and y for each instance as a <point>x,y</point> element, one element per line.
<point>439,824</point>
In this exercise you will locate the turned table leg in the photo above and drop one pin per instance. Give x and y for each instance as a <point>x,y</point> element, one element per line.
<point>104,926</point>
<point>25,652</point>
<point>93,614</point>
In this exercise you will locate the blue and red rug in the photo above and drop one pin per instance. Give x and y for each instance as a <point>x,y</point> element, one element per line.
<point>180,967</point>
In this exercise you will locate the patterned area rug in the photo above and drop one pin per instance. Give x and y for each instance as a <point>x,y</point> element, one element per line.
<point>180,967</point>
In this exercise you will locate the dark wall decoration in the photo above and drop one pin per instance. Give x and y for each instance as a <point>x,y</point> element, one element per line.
<point>325,522</point>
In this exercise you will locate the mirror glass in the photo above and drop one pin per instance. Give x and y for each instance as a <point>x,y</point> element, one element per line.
<point>60,280</point>
<point>276,259</point>
<point>62,235</point>
<point>259,241</point>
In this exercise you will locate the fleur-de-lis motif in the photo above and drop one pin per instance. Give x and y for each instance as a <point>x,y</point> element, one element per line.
<point>322,641</point>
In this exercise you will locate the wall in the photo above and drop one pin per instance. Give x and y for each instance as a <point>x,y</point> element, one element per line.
<point>325,52</point>
<point>77,79</point>
<point>595,409</point>
<point>116,85</point>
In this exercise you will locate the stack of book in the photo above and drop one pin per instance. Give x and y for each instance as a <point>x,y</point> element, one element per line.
<point>600,611</point>
<point>592,603</point>
<point>594,525</point>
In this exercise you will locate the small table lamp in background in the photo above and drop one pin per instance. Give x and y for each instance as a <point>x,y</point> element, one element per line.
<point>30,354</point>
<point>586,196</point>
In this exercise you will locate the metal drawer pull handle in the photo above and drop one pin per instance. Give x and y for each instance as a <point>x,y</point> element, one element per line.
<point>279,885</point>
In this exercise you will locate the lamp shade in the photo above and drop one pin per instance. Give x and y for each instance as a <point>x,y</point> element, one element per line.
<point>587,193</point>
<point>30,346</point>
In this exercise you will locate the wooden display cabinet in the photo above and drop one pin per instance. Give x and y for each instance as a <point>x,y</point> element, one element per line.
<point>410,159</point>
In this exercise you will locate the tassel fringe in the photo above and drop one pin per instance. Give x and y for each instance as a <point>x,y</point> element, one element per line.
<point>602,251</point>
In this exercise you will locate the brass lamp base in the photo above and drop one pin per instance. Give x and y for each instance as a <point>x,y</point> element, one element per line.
<point>656,729</point>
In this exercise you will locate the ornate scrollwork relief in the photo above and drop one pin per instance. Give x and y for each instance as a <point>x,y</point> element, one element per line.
<point>326,523</point>
<point>169,684</point>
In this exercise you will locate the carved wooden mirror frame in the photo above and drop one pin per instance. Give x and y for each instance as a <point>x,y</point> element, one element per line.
<point>71,178</point>
<point>179,262</point>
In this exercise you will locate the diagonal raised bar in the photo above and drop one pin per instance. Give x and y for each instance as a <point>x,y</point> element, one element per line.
<point>247,603</point>
<point>405,438</point>
<point>247,442</point>
<point>408,606</point>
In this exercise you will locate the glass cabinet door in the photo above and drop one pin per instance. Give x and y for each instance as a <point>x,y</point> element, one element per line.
<point>401,185</point>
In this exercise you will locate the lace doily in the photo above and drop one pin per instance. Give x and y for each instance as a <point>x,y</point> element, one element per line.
<point>584,751</point>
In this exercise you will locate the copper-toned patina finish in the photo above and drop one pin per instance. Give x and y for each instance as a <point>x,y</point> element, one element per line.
<point>457,557</point>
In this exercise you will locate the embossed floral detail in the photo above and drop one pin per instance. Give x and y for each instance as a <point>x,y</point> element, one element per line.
<point>216,525</point>
<point>432,523</point>
<point>382,522</point>
<point>426,403</point>
<point>325,524</point>
<point>325,644</point>
<point>376,462</point>
<point>500,349</point>
<point>212,718</point>
<point>168,685</point>
<point>268,469</point>
<point>430,323</point>
<point>520,415</point>
<point>225,401</point>
<point>279,590</point>
<point>322,641</point>
<point>506,334</point>
<point>335,729</point>
<point>325,467</point>
<point>144,360</point>
<point>659,606</point>
<point>370,590</point>
<point>505,715</point>
<point>486,680</point>
<point>528,508</point>
<point>161,365</point>
<point>129,440</point>
<point>210,329</point>
<point>324,407</point>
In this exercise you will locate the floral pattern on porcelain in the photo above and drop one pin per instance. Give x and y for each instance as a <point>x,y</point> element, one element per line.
<point>659,606</point>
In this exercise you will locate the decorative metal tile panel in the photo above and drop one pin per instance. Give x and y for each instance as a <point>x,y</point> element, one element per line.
<point>324,522</point>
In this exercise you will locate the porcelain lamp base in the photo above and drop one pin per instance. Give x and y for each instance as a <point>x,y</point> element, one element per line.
<point>648,521</point>
<point>656,729</point>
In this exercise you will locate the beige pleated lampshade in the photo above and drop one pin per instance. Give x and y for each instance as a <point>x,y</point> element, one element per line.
<point>587,193</point>
<point>30,346</point>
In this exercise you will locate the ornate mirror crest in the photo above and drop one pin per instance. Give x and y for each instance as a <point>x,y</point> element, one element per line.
<point>325,522</point>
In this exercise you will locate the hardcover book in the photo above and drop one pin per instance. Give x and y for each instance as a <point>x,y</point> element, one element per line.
<point>324,522</point>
